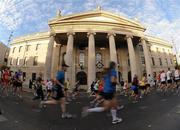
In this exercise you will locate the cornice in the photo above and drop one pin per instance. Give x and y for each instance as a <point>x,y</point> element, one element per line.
<point>35,36</point>
<point>73,18</point>
<point>156,40</point>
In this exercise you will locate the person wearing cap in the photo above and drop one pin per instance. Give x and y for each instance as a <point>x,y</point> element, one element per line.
<point>58,96</point>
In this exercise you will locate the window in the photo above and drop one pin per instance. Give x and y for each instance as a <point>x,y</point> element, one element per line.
<point>20,48</point>
<point>17,61</point>
<point>169,51</point>
<point>163,50</point>
<point>153,62</point>
<point>81,59</point>
<point>171,61</point>
<point>25,61</point>
<point>33,76</point>
<point>13,49</point>
<point>157,49</point>
<point>149,49</point>
<point>98,57</point>
<point>63,58</point>
<point>166,61</point>
<point>160,62</point>
<point>35,61</point>
<point>27,47</point>
<point>143,60</point>
<point>141,48</point>
<point>128,62</point>
<point>11,61</point>
<point>37,46</point>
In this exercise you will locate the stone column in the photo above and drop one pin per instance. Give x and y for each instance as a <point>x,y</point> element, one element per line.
<point>147,57</point>
<point>132,56</point>
<point>112,47</point>
<point>91,59</point>
<point>49,54</point>
<point>55,57</point>
<point>112,50</point>
<point>69,56</point>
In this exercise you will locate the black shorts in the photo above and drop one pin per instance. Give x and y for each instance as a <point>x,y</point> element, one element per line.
<point>147,85</point>
<point>101,94</point>
<point>143,87</point>
<point>136,91</point>
<point>57,92</point>
<point>176,80</point>
<point>59,96</point>
<point>169,81</point>
<point>49,91</point>
<point>108,96</point>
<point>96,91</point>
<point>163,82</point>
<point>65,89</point>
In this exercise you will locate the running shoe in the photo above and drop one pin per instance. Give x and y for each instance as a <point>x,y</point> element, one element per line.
<point>84,112</point>
<point>41,105</point>
<point>120,107</point>
<point>66,116</point>
<point>118,120</point>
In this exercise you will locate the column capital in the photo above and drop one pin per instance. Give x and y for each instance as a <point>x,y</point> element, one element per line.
<point>90,32</point>
<point>142,39</point>
<point>111,34</point>
<point>128,36</point>
<point>70,33</point>
<point>52,33</point>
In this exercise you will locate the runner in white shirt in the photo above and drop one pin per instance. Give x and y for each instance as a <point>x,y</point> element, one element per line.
<point>177,77</point>
<point>169,78</point>
<point>49,86</point>
<point>163,80</point>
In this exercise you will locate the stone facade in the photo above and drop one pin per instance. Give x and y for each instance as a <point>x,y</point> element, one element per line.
<point>87,42</point>
<point>4,52</point>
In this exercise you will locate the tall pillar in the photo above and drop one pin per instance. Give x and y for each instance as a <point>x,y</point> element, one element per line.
<point>147,57</point>
<point>55,57</point>
<point>48,62</point>
<point>112,47</point>
<point>131,56</point>
<point>69,56</point>
<point>91,59</point>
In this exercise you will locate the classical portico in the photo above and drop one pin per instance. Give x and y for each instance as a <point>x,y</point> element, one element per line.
<point>88,41</point>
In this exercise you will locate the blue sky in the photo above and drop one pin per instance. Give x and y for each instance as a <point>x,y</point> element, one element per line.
<point>160,17</point>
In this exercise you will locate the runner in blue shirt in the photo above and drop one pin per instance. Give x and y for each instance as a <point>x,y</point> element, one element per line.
<point>110,103</point>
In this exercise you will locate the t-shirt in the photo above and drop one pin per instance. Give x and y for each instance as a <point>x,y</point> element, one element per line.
<point>6,75</point>
<point>169,74</point>
<point>163,77</point>
<point>49,85</point>
<point>60,76</point>
<point>176,74</point>
<point>108,87</point>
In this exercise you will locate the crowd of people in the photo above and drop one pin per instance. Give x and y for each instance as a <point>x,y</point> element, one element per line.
<point>11,82</point>
<point>104,90</point>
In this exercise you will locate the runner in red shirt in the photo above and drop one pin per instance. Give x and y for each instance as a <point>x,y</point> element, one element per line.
<point>6,79</point>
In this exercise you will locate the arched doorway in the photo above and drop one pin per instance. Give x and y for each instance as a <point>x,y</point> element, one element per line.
<point>82,77</point>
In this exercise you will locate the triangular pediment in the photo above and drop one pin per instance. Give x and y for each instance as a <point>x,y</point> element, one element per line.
<point>98,16</point>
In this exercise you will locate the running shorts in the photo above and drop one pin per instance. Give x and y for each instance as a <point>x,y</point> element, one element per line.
<point>108,96</point>
<point>169,81</point>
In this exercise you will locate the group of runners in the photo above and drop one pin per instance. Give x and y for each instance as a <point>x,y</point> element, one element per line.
<point>165,82</point>
<point>57,91</point>
<point>11,82</point>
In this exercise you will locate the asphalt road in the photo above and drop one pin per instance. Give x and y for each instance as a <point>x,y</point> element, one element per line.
<point>154,112</point>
